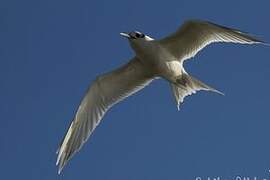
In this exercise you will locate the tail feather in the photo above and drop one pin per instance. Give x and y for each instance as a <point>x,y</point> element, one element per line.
<point>187,85</point>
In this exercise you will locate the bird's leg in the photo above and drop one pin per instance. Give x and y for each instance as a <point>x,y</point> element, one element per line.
<point>182,80</point>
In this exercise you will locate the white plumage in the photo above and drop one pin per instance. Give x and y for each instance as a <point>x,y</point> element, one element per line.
<point>154,58</point>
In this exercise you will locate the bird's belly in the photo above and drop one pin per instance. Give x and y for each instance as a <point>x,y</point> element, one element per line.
<point>169,69</point>
<point>160,61</point>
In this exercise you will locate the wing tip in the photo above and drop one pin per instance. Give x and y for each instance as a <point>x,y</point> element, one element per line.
<point>59,170</point>
<point>265,43</point>
<point>255,39</point>
<point>61,162</point>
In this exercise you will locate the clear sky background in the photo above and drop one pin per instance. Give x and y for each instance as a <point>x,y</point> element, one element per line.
<point>51,50</point>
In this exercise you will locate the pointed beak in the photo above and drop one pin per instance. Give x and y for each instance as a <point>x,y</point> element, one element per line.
<point>125,34</point>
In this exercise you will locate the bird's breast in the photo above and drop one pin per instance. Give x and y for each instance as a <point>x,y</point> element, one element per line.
<point>151,53</point>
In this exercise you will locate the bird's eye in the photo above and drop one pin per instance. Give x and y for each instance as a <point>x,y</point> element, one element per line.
<point>138,35</point>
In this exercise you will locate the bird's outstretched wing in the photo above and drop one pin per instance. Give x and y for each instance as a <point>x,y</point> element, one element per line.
<point>194,35</point>
<point>104,92</point>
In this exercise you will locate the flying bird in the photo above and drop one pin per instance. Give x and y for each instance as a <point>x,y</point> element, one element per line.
<point>154,59</point>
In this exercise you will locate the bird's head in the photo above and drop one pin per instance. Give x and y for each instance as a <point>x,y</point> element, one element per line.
<point>138,41</point>
<point>136,35</point>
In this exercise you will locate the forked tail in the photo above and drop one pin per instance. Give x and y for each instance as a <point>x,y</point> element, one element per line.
<point>187,85</point>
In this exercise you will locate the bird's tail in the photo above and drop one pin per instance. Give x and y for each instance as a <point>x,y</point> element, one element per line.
<point>187,85</point>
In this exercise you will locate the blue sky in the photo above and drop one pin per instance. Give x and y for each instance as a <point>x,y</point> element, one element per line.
<point>50,52</point>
